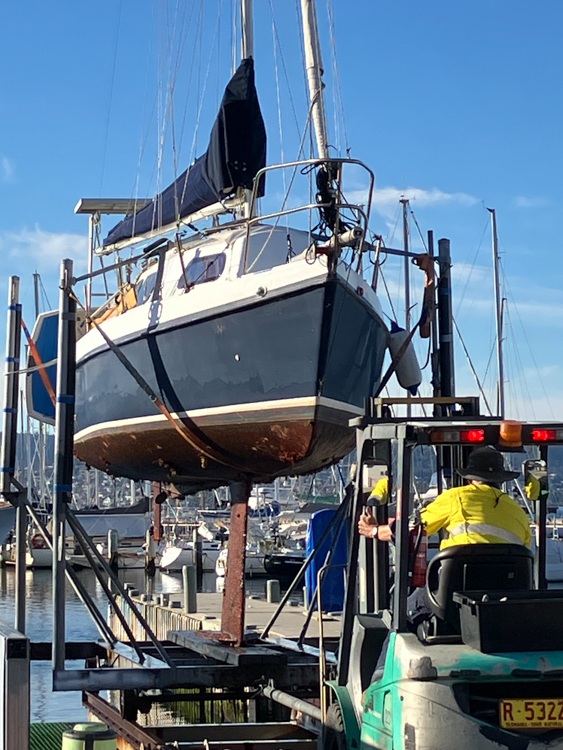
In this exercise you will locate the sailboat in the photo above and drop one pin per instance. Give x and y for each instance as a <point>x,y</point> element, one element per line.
<point>242,348</point>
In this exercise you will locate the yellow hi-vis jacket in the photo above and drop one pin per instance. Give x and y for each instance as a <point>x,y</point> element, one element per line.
<point>477,514</point>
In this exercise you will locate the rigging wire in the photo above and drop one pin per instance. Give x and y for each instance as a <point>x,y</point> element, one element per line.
<point>382,277</point>
<point>44,293</point>
<point>468,277</point>
<point>112,86</point>
<point>287,79</point>
<point>288,192</point>
<point>519,382</point>
<point>418,228</point>
<point>481,391</point>
<point>337,87</point>
<point>175,66</point>
<point>508,288</point>
<point>493,349</point>
<point>428,355</point>
<point>278,97</point>
<point>201,96</point>
<point>192,67</point>
<point>520,369</point>
<point>392,230</point>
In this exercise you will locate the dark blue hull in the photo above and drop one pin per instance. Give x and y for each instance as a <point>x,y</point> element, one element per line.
<point>272,386</point>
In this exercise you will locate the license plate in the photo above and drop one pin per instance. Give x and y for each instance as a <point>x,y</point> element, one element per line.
<point>532,714</point>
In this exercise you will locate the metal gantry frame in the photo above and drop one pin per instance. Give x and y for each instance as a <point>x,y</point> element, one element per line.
<point>203,669</point>
<point>16,495</point>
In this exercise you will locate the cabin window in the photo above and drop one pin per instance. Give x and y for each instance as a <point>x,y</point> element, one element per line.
<point>200,270</point>
<point>145,287</point>
<point>269,247</point>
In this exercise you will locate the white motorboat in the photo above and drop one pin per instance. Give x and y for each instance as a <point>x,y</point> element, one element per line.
<point>177,554</point>
<point>253,566</point>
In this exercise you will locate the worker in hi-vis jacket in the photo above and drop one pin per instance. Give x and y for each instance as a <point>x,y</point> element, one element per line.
<point>477,513</point>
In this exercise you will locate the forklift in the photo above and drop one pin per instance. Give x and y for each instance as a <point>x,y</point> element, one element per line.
<point>487,670</point>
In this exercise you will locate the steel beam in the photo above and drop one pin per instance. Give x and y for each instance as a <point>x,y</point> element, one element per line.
<point>136,736</point>
<point>9,440</point>
<point>91,552</point>
<point>99,620</point>
<point>290,701</point>
<point>64,440</point>
<point>208,675</point>
<point>42,650</point>
<point>246,736</point>
<point>11,390</point>
<point>21,554</point>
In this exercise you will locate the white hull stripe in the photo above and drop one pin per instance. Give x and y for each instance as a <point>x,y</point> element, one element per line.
<point>273,409</point>
<point>485,528</point>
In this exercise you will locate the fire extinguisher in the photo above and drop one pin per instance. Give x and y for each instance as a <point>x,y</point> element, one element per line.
<point>418,548</point>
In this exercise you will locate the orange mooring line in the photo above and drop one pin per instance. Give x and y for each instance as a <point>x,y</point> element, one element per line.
<point>39,362</point>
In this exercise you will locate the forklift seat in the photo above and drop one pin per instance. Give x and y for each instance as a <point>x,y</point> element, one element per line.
<point>475,567</point>
<point>368,636</point>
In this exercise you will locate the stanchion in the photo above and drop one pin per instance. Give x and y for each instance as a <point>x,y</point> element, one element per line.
<point>189,581</point>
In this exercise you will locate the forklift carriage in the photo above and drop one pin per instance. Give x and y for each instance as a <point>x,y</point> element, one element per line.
<point>487,671</point>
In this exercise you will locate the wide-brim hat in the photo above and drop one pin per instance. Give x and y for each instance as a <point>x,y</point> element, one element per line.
<point>487,465</point>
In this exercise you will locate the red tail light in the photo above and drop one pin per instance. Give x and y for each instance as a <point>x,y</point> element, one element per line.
<point>543,435</point>
<point>473,436</point>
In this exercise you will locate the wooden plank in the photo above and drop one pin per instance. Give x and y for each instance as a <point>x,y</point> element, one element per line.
<point>236,655</point>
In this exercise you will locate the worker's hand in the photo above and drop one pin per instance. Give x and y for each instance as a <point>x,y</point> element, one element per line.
<point>384,533</point>
<point>367,524</point>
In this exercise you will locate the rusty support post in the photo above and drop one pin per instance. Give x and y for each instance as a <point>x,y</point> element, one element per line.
<point>156,489</point>
<point>232,615</point>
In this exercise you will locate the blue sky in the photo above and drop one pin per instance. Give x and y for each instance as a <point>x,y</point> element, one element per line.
<point>455,105</point>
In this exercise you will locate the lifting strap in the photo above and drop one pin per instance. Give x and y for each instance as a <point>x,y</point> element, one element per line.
<point>183,425</point>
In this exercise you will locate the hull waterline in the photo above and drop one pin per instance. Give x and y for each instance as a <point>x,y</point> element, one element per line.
<point>270,388</point>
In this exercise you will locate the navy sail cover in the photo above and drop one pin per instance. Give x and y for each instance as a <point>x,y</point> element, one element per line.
<point>236,151</point>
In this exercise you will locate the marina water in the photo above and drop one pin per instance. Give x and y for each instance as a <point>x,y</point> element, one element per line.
<point>47,705</point>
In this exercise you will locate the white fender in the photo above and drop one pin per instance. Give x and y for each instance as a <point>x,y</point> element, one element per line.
<point>408,370</point>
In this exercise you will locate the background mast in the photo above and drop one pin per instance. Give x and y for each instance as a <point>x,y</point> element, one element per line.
<point>499,321</point>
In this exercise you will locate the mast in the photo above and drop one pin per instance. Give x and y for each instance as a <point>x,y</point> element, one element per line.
<point>314,74</point>
<point>36,293</point>
<point>404,202</point>
<point>247,29</point>
<point>41,432</point>
<point>247,50</point>
<point>499,322</point>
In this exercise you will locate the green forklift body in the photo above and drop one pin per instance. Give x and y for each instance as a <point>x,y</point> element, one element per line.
<point>449,690</point>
